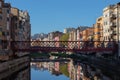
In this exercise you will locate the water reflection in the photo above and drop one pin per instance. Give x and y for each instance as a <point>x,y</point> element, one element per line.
<point>49,71</point>
<point>17,69</point>
<point>65,71</point>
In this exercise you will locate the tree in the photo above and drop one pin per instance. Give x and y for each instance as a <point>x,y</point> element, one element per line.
<point>64,37</point>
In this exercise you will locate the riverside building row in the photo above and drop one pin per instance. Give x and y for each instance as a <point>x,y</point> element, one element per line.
<point>106,28</point>
<point>14,26</point>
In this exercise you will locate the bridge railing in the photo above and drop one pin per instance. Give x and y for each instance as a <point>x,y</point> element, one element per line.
<point>65,45</point>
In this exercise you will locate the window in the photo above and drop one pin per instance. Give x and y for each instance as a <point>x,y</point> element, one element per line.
<point>8,11</point>
<point>0,29</point>
<point>0,33</point>
<point>3,33</point>
<point>106,22</point>
<point>0,41</point>
<point>0,4</point>
<point>108,30</point>
<point>98,32</point>
<point>105,15</point>
<point>0,17</point>
<point>6,33</point>
<point>7,19</point>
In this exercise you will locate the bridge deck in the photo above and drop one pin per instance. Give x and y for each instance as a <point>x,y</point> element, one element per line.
<point>61,46</point>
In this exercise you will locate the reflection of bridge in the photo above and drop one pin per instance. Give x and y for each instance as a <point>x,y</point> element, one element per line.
<point>49,60</point>
<point>61,46</point>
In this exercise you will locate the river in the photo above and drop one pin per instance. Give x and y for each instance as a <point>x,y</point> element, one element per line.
<point>53,70</point>
<point>65,71</point>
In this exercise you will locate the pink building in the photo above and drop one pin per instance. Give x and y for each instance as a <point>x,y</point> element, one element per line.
<point>56,39</point>
<point>57,65</point>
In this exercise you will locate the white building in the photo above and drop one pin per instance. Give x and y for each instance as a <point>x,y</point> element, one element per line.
<point>111,23</point>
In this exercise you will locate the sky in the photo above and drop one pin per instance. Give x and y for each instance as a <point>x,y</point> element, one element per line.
<point>56,15</point>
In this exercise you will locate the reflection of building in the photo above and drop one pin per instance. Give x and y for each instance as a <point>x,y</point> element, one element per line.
<point>17,69</point>
<point>57,66</point>
<point>80,71</point>
<point>23,75</point>
<point>56,69</point>
<point>73,70</point>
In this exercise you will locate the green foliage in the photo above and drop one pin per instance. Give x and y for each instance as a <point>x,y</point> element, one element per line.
<point>64,69</point>
<point>39,55</point>
<point>72,56</point>
<point>62,55</point>
<point>64,37</point>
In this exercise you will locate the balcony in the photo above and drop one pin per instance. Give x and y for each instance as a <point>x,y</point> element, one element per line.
<point>114,32</point>
<point>112,16</point>
<point>113,37</point>
<point>113,29</point>
<point>113,24</point>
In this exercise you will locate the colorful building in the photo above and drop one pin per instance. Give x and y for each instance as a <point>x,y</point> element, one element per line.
<point>87,34</point>
<point>111,22</point>
<point>5,21</point>
<point>98,31</point>
<point>12,28</point>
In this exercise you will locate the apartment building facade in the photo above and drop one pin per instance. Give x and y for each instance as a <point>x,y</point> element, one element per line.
<point>52,35</point>
<point>98,31</point>
<point>87,34</point>
<point>75,34</point>
<point>111,23</point>
<point>68,30</point>
<point>14,24</point>
<point>21,28</point>
<point>5,21</point>
<point>10,29</point>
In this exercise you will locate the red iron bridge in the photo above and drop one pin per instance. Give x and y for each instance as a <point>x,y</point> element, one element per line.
<point>64,46</point>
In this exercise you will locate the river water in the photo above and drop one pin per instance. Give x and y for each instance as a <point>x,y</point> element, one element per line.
<point>65,71</point>
<point>55,70</point>
<point>49,71</point>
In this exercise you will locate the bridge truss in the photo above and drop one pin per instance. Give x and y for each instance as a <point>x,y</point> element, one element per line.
<point>64,46</point>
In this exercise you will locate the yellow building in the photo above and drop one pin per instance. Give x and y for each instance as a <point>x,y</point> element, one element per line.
<point>98,31</point>
<point>84,35</point>
<point>90,34</point>
<point>87,34</point>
